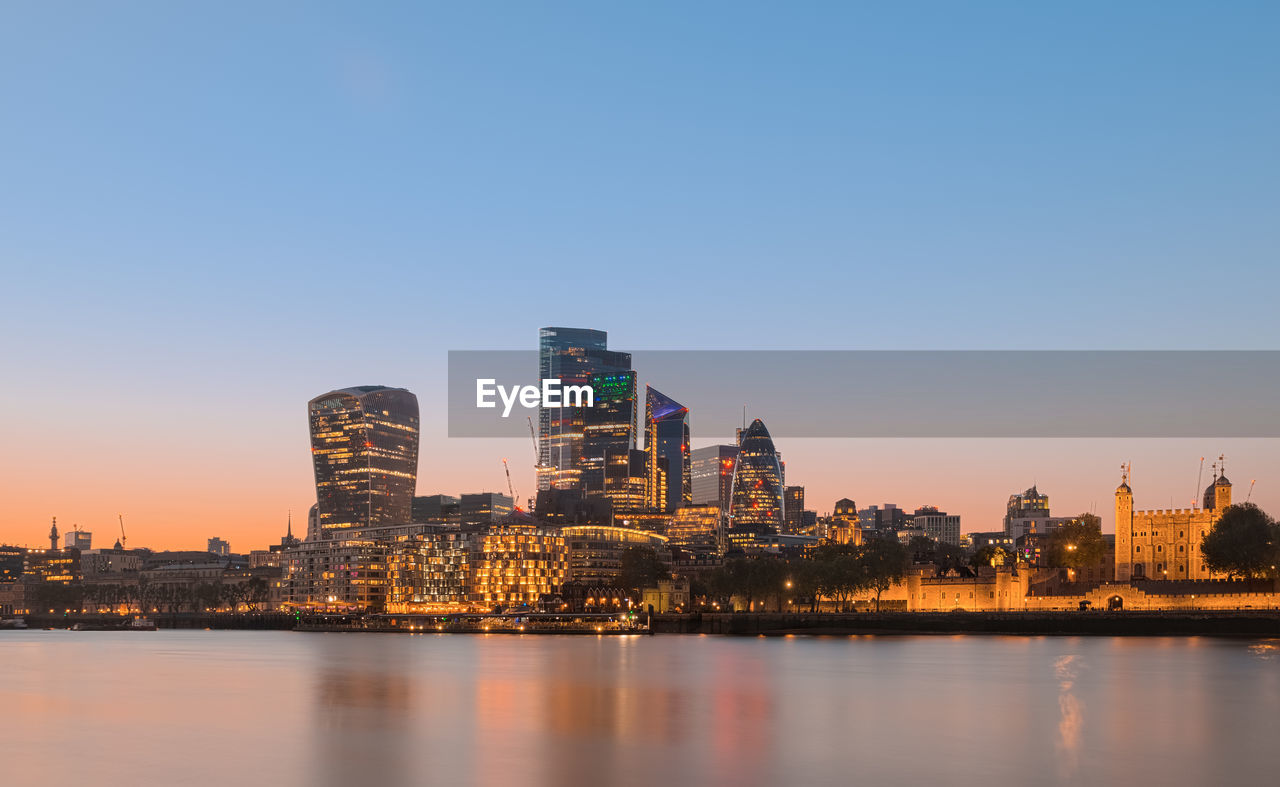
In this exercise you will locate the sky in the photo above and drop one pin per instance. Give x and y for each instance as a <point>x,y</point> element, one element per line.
<point>213,213</point>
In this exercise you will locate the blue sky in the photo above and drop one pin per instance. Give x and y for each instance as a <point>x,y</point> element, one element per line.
<point>259,202</point>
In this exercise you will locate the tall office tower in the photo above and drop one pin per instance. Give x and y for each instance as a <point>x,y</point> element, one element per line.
<point>666,445</point>
<point>571,355</point>
<point>711,474</point>
<point>794,508</point>
<point>609,427</point>
<point>757,507</point>
<point>364,449</point>
<point>625,480</point>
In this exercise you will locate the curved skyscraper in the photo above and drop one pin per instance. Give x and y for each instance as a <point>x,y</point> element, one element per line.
<point>364,449</point>
<point>757,506</point>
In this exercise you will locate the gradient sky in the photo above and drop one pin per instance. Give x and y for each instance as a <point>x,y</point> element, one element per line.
<point>211,214</point>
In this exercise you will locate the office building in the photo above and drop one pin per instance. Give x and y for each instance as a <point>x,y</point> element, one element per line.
<point>436,510</point>
<point>793,497</point>
<point>571,355</point>
<point>219,547</point>
<point>485,508</point>
<point>698,530</point>
<point>938,525</point>
<point>609,427</point>
<point>711,475</point>
<point>666,446</point>
<point>757,507</point>
<point>364,448</point>
<point>77,539</point>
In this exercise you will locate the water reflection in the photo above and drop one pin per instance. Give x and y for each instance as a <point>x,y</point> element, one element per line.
<point>1065,668</point>
<point>342,709</point>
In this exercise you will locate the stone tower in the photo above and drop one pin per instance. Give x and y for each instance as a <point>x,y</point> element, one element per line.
<point>1124,528</point>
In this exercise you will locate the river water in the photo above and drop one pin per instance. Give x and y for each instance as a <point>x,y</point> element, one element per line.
<point>283,708</point>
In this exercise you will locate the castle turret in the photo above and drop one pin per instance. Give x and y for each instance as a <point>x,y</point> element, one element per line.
<point>1124,528</point>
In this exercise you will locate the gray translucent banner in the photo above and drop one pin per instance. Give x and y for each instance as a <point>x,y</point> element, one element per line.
<point>837,393</point>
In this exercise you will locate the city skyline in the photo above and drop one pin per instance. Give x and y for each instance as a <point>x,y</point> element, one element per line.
<point>837,177</point>
<point>916,493</point>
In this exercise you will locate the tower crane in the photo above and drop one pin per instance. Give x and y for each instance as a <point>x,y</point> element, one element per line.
<point>123,539</point>
<point>515,501</point>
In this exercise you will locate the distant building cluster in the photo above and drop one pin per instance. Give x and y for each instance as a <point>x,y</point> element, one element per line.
<point>623,504</point>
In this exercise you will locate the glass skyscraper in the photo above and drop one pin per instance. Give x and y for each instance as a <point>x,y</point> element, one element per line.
<point>609,428</point>
<point>364,450</point>
<point>666,446</point>
<point>711,473</point>
<point>571,355</point>
<point>757,507</point>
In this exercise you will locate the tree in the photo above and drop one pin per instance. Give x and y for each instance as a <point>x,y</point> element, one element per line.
<point>1243,542</point>
<point>990,555</point>
<point>924,549</point>
<point>641,568</point>
<point>883,562</point>
<point>1076,544</point>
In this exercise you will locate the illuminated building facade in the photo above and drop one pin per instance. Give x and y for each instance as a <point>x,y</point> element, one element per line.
<point>596,552</point>
<point>757,506</point>
<point>337,574</point>
<point>1165,544</point>
<point>433,571</point>
<point>12,560</point>
<point>518,564</point>
<point>711,475</point>
<point>571,355</point>
<point>609,429</point>
<point>625,481</point>
<point>698,529</point>
<point>364,448</point>
<point>666,445</point>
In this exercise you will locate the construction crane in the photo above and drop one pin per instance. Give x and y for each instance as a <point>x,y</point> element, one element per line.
<point>537,456</point>
<point>123,539</point>
<point>515,501</point>
<point>1250,495</point>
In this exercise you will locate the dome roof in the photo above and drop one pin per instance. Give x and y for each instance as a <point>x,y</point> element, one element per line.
<point>1222,481</point>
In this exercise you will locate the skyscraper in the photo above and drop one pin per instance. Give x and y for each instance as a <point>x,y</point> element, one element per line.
<point>794,507</point>
<point>571,355</point>
<point>711,475</point>
<point>609,427</point>
<point>757,507</point>
<point>666,447</point>
<point>364,449</point>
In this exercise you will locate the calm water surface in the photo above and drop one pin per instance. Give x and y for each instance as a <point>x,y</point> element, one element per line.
<point>241,708</point>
